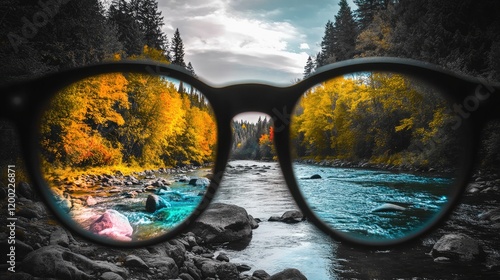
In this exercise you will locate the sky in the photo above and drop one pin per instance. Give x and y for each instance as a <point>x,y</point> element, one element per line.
<point>230,41</point>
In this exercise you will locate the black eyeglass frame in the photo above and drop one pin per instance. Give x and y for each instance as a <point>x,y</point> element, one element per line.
<point>23,105</point>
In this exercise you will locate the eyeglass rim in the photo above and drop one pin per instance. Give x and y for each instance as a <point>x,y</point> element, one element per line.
<point>375,64</point>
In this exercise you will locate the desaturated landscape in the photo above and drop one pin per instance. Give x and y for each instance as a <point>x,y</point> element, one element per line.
<point>129,156</point>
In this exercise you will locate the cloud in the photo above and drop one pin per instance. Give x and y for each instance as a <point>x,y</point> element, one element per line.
<point>227,45</point>
<point>304,46</point>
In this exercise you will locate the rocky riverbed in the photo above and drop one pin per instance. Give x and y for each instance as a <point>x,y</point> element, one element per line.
<point>465,247</point>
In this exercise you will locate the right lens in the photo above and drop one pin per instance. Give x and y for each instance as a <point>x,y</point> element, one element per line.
<point>377,155</point>
<point>127,156</point>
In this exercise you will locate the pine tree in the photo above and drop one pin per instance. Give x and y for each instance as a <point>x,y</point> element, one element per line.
<point>367,10</point>
<point>178,49</point>
<point>309,68</point>
<point>147,14</point>
<point>327,54</point>
<point>129,30</point>
<point>191,69</point>
<point>345,31</point>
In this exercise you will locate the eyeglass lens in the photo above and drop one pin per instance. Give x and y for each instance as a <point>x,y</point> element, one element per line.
<point>376,154</point>
<point>127,156</point>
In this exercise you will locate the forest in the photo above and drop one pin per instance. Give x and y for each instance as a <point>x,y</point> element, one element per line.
<point>380,127</point>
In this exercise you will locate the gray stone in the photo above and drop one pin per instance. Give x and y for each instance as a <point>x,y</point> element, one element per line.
<point>227,271</point>
<point>222,223</point>
<point>110,276</point>
<point>55,261</point>
<point>261,274</point>
<point>59,237</point>
<point>458,247</point>
<point>288,274</point>
<point>291,217</point>
<point>135,261</point>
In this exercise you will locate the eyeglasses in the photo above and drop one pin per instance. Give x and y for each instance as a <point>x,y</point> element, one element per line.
<point>374,151</point>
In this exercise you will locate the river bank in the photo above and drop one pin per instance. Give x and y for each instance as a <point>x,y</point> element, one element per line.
<point>258,188</point>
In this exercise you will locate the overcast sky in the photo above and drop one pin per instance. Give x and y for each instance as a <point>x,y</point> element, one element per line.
<point>240,40</point>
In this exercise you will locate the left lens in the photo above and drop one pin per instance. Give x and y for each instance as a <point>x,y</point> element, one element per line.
<point>378,156</point>
<point>127,156</point>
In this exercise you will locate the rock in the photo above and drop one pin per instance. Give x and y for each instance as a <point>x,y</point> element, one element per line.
<point>243,267</point>
<point>261,274</point>
<point>165,266</point>
<point>291,217</point>
<point>176,250</point>
<point>204,182</point>
<point>222,257</point>
<point>288,274</point>
<point>274,219</point>
<point>112,224</point>
<point>28,213</point>
<point>315,176</point>
<point>90,201</point>
<point>388,207</point>
<point>25,190</point>
<point>58,262</point>
<point>227,271</point>
<point>185,276</point>
<point>135,261</point>
<point>253,222</point>
<point>222,223</point>
<point>491,215</point>
<point>458,247</point>
<point>208,269</point>
<point>154,202</point>
<point>59,237</point>
<point>110,276</point>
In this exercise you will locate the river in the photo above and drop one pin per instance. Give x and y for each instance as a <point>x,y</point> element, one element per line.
<point>259,187</point>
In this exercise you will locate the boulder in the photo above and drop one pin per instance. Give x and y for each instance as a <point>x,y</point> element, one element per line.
<point>155,202</point>
<point>315,176</point>
<point>135,261</point>
<point>59,237</point>
<point>227,271</point>
<point>292,217</point>
<point>388,207</point>
<point>58,262</point>
<point>261,274</point>
<point>288,274</point>
<point>112,224</point>
<point>203,182</point>
<point>222,223</point>
<point>457,247</point>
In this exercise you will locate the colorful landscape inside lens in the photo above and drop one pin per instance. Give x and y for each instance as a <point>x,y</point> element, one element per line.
<point>128,156</point>
<point>376,154</point>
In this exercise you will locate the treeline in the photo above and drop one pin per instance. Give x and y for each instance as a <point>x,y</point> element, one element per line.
<point>38,37</point>
<point>378,118</point>
<point>126,118</point>
<point>253,140</point>
<point>462,36</point>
